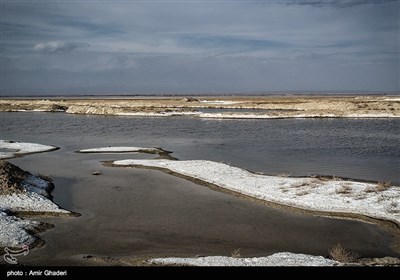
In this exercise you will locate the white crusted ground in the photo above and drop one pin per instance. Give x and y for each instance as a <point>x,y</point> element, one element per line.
<point>308,193</point>
<point>21,148</point>
<point>120,150</point>
<point>300,115</point>
<point>220,102</point>
<point>29,202</point>
<point>13,230</point>
<point>254,116</point>
<point>33,199</point>
<point>161,114</point>
<point>278,259</point>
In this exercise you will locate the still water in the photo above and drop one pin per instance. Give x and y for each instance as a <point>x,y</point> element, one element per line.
<point>356,148</point>
<point>136,212</point>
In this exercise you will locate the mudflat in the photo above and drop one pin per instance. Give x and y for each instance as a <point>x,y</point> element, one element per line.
<point>133,214</point>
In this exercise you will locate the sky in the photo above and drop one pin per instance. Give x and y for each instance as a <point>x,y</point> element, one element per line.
<point>53,47</point>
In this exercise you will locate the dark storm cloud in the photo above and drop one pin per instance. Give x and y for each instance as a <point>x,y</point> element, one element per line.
<point>198,46</point>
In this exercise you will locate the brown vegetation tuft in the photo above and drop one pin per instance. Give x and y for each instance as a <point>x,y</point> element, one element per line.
<point>340,254</point>
<point>235,253</point>
<point>383,186</point>
<point>11,177</point>
<point>344,189</point>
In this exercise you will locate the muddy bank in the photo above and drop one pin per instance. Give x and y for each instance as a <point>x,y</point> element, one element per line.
<point>274,106</point>
<point>162,154</point>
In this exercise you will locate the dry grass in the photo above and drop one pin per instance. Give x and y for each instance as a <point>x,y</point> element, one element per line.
<point>235,253</point>
<point>344,189</point>
<point>340,254</point>
<point>382,186</point>
<point>336,178</point>
<point>324,178</point>
<point>45,177</point>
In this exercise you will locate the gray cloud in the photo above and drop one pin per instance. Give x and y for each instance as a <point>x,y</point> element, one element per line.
<point>222,46</point>
<point>338,3</point>
<point>58,46</point>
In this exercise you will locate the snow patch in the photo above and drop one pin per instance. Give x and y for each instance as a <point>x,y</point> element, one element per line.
<point>278,259</point>
<point>120,150</point>
<point>13,230</point>
<point>371,115</point>
<point>29,202</point>
<point>294,116</point>
<point>160,114</point>
<point>33,196</point>
<point>220,102</point>
<point>331,195</point>
<point>21,148</point>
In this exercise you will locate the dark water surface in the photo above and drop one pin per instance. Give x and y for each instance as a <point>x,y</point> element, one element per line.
<point>356,148</point>
<point>148,213</point>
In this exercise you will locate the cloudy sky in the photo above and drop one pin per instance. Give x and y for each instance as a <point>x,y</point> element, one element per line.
<point>149,47</point>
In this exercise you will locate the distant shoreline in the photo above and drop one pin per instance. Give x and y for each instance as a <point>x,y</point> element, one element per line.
<point>212,94</point>
<point>261,107</point>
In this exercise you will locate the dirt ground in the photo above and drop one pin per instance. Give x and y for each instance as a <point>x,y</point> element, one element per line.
<point>274,106</point>
<point>11,177</point>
